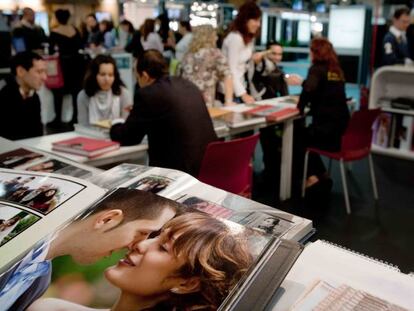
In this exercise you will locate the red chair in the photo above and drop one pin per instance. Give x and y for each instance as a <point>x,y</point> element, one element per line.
<point>226,165</point>
<point>355,145</point>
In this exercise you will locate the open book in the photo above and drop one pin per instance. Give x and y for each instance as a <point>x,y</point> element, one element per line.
<point>39,209</point>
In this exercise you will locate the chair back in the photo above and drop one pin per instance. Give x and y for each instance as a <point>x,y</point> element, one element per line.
<point>356,141</point>
<point>226,165</point>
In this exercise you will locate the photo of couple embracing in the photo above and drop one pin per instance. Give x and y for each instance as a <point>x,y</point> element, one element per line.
<point>177,258</point>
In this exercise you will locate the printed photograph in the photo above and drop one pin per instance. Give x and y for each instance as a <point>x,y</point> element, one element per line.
<point>207,207</point>
<point>264,222</point>
<point>118,175</point>
<point>42,194</point>
<point>155,256</point>
<point>18,157</point>
<point>14,221</point>
<point>58,167</point>
<point>48,166</point>
<point>152,183</point>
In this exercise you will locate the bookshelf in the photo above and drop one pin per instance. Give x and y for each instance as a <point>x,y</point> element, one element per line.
<point>390,82</point>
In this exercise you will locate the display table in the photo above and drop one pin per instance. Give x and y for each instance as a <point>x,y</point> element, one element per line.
<point>122,154</point>
<point>287,139</point>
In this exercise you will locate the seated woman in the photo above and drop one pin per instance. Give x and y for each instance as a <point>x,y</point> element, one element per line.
<point>192,265</point>
<point>205,65</point>
<point>104,96</point>
<point>324,91</point>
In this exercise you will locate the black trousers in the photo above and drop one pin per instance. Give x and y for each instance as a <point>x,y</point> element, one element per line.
<point>58,95</point>
<point>322,136</point>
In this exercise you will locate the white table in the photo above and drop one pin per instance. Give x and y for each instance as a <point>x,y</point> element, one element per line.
<point>122,154</point>
<point>287,141</point>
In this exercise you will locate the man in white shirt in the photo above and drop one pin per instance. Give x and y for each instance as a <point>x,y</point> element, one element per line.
<point>395,45</point>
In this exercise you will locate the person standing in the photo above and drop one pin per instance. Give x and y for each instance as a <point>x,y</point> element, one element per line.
<point>238,47</point>
<point>149,38</point>
<point>66,40</point>
<point>172,112</point>
<point>32,34</point>
<point>395,45</point>
<point>20,105</point>
<point>181,48</point>
<point>205,66</point>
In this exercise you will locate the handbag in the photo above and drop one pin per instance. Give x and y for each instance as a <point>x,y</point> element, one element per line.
<point>54,73</point>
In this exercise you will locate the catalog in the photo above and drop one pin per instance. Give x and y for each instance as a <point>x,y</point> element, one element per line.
<point>189,191</point>
<point>153,213</point>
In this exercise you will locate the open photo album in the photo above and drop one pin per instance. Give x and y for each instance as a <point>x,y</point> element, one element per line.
<point>215,244</point>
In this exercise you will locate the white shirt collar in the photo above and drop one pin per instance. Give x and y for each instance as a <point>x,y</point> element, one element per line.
<point>396,32</point>
<point>24,95</point>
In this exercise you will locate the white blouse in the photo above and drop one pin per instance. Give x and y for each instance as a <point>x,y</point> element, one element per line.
<point>153,42</point>
<point>103,106</point>
<point>238,55</point>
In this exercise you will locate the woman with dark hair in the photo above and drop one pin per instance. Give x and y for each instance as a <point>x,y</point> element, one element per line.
<point>192,265</point>
<point>125,33</point>
<point>45,201</point>
<point>162,27</point>
<point>181,48</point>
<point>104,96</point>
<point>324,92</point>
<point>238,46</point>
<point>150,40</point>
<point>107,38</point>
<point>66,40</point>
<point>90,31</point>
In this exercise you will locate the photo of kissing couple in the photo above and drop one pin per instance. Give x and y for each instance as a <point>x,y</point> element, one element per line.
<point>176,258</point>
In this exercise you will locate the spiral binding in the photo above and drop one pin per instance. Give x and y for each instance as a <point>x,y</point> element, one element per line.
<point>371,259</point>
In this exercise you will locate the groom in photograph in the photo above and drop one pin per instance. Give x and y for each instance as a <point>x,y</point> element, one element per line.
<point>120,220</point>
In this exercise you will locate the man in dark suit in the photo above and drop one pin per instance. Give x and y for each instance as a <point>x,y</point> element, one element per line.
<point>19,104</point>
<point>395,45</point>
<point>172,112</point>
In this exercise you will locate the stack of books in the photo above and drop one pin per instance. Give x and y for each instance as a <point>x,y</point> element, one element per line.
<point>84,146</point>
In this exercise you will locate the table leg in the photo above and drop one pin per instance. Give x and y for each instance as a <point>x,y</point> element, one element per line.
<point>286,161</point>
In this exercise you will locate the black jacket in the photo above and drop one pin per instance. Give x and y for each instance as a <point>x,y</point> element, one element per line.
<point>394,50</point>
<point>19,118</point>
<point>324,92</point>
<point>173,114</point>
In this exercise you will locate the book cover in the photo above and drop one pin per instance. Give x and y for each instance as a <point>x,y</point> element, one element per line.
<point>273,113</point>
<point>406,132</point>
<point>382,130</point>
<point>85,146</point>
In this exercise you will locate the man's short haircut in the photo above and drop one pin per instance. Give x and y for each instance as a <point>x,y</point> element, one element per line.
<point>272,43</point>
<point>153,63</point>
<point>23,59</point>
<point>62,16</point>
<point>401,11</point>
<point>136,204</point>
<point>28,10</point>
